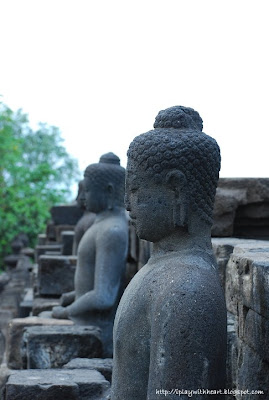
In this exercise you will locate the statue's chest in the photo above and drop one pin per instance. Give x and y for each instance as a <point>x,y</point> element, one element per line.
<point>133,319</point>
<point>87,248</point>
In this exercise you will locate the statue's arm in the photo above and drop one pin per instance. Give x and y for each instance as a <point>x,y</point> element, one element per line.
<point>183,337</point>
<point>110,261</point>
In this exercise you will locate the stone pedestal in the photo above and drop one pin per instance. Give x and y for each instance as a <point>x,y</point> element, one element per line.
<point>26,304</point>
<point>56,275</point>
<point>103,365</point>
<point>66,214</point>
<point>41,239</point>
<point>242,208</point>
<point>43,249</point>
<point>65,384</point>
<point>16,358</point>
<point>67,238</point>
<point>44,304</point>
<point>54,346</point>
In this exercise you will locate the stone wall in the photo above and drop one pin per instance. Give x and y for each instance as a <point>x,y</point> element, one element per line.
<point>242,208</point>
<point>244,266</point>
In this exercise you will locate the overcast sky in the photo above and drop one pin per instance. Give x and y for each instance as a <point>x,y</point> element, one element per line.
<point>101,70</point>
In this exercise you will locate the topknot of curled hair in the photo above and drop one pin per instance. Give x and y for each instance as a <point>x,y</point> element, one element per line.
<point>109,158</point>
<point>179,117</point>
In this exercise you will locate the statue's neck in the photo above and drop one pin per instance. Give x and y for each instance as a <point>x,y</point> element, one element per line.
<point>183,240</point>
<point>116,211</point>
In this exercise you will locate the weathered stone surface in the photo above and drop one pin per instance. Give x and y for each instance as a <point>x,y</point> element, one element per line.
<point>65,384</point>
<point>41,304</point>
<point>247,296</point>
<point>4,374</point>
<point>2,346</point>
<point>253,373</point>
<point>256,333</point>
<point>42,249</point>
<point>66,214</point>
<point>54,346</point>
<point>223,248</point>
<point>26,304</point>
<point>4,279</point>
<point>56,274</point>
<point>232,351</point>
<point>247,277</point>
<point>15,352</point>
<point>67,238</point>
<point>5,317</point>
<point>103,365</point>
<point>242,208</point>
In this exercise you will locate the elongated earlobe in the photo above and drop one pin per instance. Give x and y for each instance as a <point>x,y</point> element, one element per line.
<point>180,214</point>
<point>110,196</point>
<point>177,182</point>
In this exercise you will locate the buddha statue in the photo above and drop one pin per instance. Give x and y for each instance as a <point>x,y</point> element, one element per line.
<point>85,221</point>
<point>170,326</point>
<point>102,251</point>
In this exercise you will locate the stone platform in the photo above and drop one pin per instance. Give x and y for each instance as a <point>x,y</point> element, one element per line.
<point>82,384</point>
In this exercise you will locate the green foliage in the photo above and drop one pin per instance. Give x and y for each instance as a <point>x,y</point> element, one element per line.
<point>36,173</point>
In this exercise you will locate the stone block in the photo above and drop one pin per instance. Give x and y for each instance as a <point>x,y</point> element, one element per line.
<point>52,384</point>
<point>15,351</point>
<point>242,208</point>
<point>42,249</point>
<point>54,346</point>
<point>247,277</point>
<point>232,285</point>
<point>67,238</point>
<point>41,239</point>
<point>255,334</point>
<point>26,304</point>
<point>5,317</point>
<point>253,373</point>
<point>66,215</point>
<point>50,232</point>
<point>2,346</point>
<point>56,275</point>
<point>232,351</point>
<point>10,299</point>
<point>62,228</point>
<point>4,279</point>
<point>103,365</point>
<point>41,304</point>
<point>223,248</point>
<point>4,374</point>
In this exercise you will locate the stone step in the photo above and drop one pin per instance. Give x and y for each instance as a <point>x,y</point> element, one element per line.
<point>54,346</point>
<point>103,365</point>
<point>52,384</point>
<point>15,351</point>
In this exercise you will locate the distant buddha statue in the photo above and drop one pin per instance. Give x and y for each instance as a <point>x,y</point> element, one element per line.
<point>170,326</point>
<point>85,221</point>
<point>102,251</point>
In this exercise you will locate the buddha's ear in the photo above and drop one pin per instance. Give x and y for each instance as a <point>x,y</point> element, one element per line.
<point>110,196</point>
<point>177,182</point>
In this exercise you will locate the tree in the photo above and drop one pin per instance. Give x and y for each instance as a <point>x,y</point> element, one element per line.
<point>36,172</point>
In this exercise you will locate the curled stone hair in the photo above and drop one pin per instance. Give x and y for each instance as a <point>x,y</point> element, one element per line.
<point>108,171</point>
<point>178,143</point>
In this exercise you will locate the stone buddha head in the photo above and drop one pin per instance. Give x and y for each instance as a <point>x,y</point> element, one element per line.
<point>104,184</point>
<point>172,175</point>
